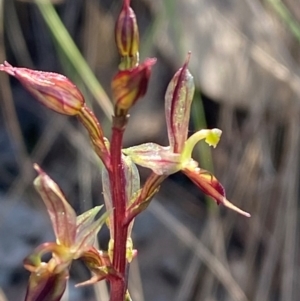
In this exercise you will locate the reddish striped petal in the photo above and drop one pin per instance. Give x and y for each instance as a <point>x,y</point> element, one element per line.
<point>61,213</point>
<point>211,186</point>
<point>178,100</point>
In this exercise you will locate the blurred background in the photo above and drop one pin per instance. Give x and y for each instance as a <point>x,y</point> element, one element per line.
<point>245,61</point>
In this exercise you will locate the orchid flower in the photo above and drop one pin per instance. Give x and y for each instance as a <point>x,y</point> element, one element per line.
<point>166,160</point>
<point>75,237</point>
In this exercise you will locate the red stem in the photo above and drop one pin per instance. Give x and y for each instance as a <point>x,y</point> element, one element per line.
<point>117,184</point>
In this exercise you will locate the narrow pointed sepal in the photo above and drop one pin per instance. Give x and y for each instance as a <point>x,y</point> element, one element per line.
<point>62,215</point>
<point>85,237</point>
<point>86,218</point>
<point>178,100</point>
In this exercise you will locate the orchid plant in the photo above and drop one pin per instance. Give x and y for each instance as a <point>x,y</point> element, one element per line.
<point>123,196</point>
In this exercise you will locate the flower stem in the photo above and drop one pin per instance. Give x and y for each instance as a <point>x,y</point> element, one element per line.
<point>117,184</point>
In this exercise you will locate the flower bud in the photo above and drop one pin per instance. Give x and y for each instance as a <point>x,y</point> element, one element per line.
<point>129,85</point>
<point>127,37</point>
<point>53,90</point>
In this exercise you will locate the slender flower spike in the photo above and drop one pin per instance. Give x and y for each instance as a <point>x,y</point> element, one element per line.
<point>74,239</point>
<point>130,85</point>
<point>127,37</point>
<point>53,90</point>
<point>178,156</point>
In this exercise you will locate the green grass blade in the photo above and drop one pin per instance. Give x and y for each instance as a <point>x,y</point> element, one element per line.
<point>284,13</point>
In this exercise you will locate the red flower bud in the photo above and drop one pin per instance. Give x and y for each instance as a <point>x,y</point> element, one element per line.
<point>127,36</point>
<point>129,85</point>
<point>53,90</point>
